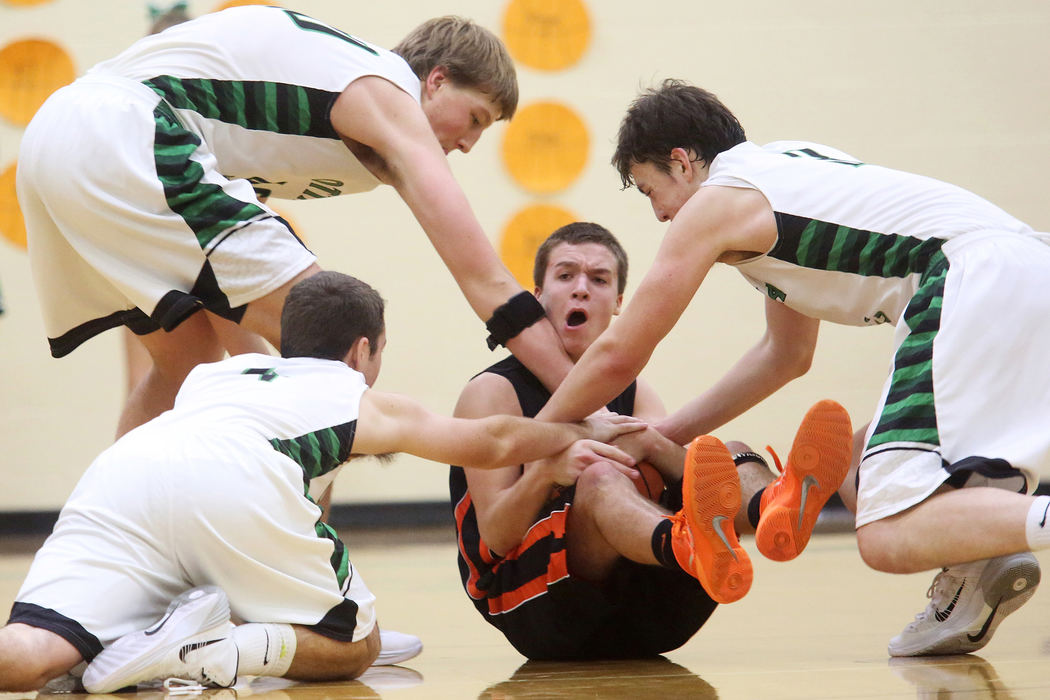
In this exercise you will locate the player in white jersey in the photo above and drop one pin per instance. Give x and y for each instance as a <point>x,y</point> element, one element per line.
<point>142,181</point>
<point>209,507</point>
<point>824,236</point>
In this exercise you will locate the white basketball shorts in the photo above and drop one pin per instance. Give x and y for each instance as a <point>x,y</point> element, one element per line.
<point>970,381</point>
<point>130,221</point>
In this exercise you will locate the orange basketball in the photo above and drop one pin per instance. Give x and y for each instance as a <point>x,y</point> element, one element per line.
<point>651,485</point>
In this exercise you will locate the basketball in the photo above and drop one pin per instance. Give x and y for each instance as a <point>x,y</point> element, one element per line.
<point>651,485</point>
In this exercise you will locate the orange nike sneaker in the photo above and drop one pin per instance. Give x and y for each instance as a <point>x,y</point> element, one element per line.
<point>816,466</point>
<point>703,538</point>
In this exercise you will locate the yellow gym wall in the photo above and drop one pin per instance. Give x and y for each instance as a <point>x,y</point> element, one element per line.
<point>954,89</point>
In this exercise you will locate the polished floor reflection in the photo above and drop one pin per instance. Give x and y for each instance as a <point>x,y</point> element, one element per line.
<point>813,628</point>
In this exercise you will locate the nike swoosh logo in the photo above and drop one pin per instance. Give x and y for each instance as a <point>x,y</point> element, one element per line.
<point>984,628</point>
<point>1042,523</point>
<point>943,615</point>
<point>187,648</point>
<point>808,483</point>
<point>717,523</point>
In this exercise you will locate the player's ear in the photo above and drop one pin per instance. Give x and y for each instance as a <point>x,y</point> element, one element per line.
<point>437,77</point>
<point>358,353</point>
<point>681,163</point>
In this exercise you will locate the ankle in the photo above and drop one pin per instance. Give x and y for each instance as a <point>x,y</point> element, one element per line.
<point>1037,524</point>
<point>264,649</point>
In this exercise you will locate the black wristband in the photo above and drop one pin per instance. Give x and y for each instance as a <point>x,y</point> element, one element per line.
<point>518,313</point>
<point>741,457</point>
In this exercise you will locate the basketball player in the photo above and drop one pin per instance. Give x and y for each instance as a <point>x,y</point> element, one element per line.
<point>209,508</point>
<point>824,236</point>
<point>141,182</point>
<point>565,556</point>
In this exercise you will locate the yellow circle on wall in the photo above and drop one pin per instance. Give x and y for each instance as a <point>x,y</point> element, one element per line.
<point>26,2</point>
<point>30,70</point>
<point>12,225</point>
<point>546,34</point>
<point>545,147</point>
<point>523,235</point>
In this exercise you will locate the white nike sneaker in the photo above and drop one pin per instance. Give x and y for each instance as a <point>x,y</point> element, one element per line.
<point>396,647</point>
<point>192,641</point>
<point>967,603</point>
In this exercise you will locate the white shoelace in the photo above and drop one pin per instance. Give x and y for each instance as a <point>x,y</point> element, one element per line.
<point>182,686</point>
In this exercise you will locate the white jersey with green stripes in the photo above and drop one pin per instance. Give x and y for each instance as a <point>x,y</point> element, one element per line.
<point>303,408</point>
<point>854,239</point>
<point>217,490</point>
<point>256,84</point>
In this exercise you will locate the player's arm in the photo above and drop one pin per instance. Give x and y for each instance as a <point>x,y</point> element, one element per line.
<point>507,499</point>
<point>388,131</point>
<point>393,423</point>
<point>714,221</point>
<point>784,352</point>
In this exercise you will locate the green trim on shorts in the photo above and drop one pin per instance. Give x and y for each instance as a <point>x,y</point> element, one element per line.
<point>318,453</point>
<point>909,414</point>
<point>205,207</point>
<point>340,558</point>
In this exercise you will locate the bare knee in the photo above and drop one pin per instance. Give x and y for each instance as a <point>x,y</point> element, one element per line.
<point>30,657</point>
<point>598,478</point>
<point>884,547</point>
<point>358,656</point>
<point>319,658</point>
<point>736,447</point>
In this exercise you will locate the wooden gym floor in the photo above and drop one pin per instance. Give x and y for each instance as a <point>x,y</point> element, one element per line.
<point>813,628</point>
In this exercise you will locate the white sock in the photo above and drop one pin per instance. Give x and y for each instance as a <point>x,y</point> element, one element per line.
<point>1037,525</point>
<point>265,649</point>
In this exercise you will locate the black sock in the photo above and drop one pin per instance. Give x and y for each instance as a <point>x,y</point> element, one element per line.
<point>754,508</point>
<point>661,544</point>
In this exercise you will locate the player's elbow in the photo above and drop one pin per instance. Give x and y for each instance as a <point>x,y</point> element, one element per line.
<point>799,364</point>
<point>792,360</point>
<point>616,364</point>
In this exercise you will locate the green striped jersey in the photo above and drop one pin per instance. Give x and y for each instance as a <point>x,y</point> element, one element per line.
<point>853,239</point>
<point>303,408</point>
<point>257,84</point>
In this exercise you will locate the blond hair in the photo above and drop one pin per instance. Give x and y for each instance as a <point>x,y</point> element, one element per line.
<point>473,56</point>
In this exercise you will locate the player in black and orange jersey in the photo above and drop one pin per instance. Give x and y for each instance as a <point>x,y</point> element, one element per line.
<point>569,558</point>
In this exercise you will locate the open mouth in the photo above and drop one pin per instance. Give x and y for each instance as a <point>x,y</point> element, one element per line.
<point>576,318</point>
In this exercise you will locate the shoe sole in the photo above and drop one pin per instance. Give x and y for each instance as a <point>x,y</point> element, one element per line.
<point>817,464</point>
<point>125,663</point>
<point>712,493</point>
<point>1007,586</point>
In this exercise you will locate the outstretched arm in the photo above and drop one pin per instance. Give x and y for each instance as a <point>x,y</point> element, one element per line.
<point>394,423</point>
<point>784,352</point>
<point>386,130</point>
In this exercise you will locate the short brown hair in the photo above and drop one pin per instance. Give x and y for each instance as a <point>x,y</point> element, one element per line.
<point>473,56</point>
<point>574,234</point>
<point>325,314</point>
<point>674,115</point>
